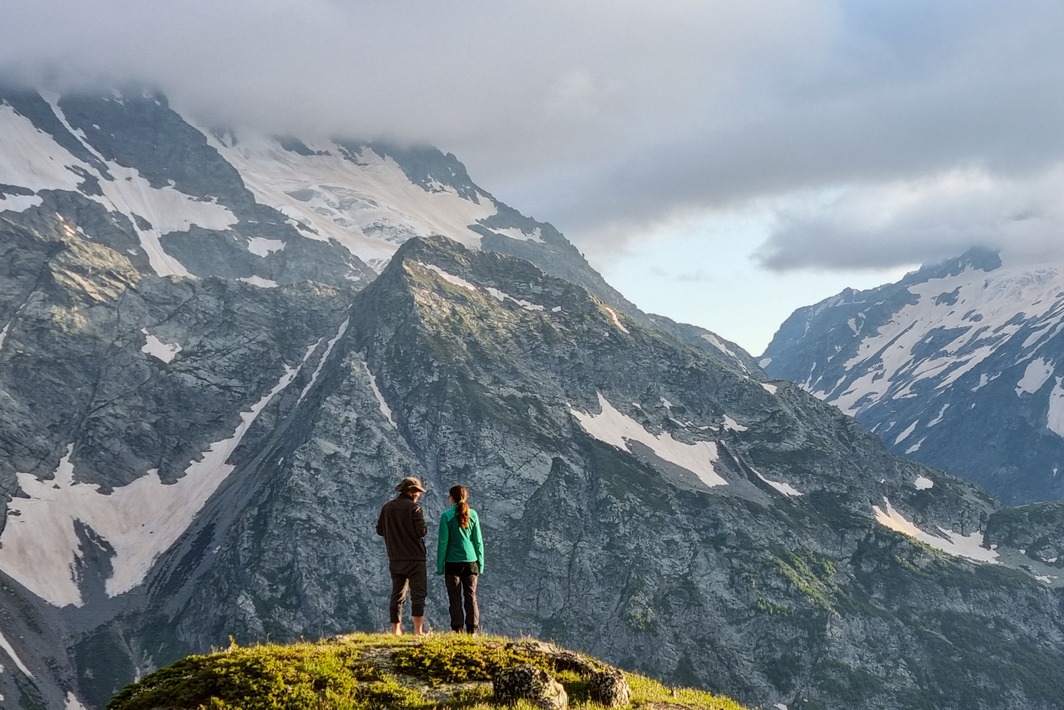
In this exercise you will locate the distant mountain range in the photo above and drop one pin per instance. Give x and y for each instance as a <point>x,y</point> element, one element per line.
<point>220,351</point>
<point>958,365</point>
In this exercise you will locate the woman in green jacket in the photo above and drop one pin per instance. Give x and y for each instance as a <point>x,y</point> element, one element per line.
<point>460,558</point>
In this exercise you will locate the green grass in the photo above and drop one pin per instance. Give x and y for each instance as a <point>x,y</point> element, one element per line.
<point>376,671</point>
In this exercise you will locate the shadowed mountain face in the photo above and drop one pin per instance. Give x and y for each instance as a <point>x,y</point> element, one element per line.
<point>201,422</point>
<point>954,366</point>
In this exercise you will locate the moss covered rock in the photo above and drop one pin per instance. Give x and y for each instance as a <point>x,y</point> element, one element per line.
<point>376,671</point>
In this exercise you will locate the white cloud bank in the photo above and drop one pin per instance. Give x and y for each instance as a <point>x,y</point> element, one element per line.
<point>611,117</point>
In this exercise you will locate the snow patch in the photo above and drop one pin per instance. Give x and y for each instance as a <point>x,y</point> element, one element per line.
<point>716,342</point>
<point>10,651</point>
<point>939,416</point>
<point>264,247</point>
<point>515,233</point>
<point>770,388</point>
<point>1055,416</point>
<point>616,320</point>
<point>165,352</point>
<point>784,488</point>
<point>31,158</point>
<point>1037,373</point>
<point>451,278</point>
<point>40,548</point>
<point>258,281</point>
<point>3,335</point>
<point>923,483</point>
<point>905,434</point>
<point>19,203</point>
<point>732,425</point>
<point>381,402</point>
<point>500,296</point>
<point>72,702</point>
<point>324,357</point>
<point>968,546</point>
<point>616,429</point>
<point>166,210</point>
<point>503,297</point>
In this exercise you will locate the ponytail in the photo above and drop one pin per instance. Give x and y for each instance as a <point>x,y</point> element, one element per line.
<point>460,496</point>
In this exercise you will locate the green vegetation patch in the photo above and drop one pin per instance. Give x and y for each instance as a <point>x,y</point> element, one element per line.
<point>268,677</point>
<point>456,658</point>
<point>811,574</point>
<point>377,671</point>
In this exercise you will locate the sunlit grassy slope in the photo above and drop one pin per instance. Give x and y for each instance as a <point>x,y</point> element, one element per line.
<point>377,671</point>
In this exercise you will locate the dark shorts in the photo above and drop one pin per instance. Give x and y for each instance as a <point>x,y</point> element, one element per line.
<point>407,575</point>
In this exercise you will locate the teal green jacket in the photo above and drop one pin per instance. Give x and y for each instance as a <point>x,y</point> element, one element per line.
<point>457,544</point>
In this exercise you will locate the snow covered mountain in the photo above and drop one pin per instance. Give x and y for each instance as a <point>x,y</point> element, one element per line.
<point>958,366</point>
<point>219,352</point>
<point>184,200</point>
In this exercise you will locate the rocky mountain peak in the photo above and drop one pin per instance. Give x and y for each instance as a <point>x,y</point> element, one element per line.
<point>954,365</point>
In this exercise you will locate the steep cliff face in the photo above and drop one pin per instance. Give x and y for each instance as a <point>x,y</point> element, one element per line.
<point>954,366</point>
<point>194,445</point>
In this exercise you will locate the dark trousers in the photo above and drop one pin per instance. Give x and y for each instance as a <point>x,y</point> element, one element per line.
<point>407,574</point>
<point>461,581</point>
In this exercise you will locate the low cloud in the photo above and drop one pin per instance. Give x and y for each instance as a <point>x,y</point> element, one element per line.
<point>611,118</point>
<point>922,221</point>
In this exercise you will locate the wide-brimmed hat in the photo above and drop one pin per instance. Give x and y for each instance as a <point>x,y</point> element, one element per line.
<point>410,483</point>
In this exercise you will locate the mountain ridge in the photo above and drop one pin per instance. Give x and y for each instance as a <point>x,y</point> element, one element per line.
<point>208,450</point>
<point>952,354</point>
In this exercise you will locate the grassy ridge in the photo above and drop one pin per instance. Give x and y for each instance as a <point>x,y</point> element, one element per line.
<point>375,671</point>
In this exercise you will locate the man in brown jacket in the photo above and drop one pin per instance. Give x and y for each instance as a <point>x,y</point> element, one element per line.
<point>402,525</point>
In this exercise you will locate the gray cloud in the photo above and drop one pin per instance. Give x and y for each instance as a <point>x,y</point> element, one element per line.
<point>611,118</point>
<point>921,221</point>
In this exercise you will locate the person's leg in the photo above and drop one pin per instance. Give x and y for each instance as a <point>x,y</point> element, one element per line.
<point>453,581</point>
<point>419,589</point>
<point>469,591</point>
<point>400,583</point>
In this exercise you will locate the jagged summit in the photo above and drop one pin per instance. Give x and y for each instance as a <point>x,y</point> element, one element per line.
<point>954,366</point>
<point>974,259</point>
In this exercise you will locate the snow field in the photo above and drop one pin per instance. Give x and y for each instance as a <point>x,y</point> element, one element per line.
<point>351,201</point>
<point>616,429</point>
<point>981,309</point>
<point>968,546</point>
<point>40,547</point>
<point>32,159</point>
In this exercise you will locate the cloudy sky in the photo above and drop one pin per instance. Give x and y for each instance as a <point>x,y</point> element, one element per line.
<point>720,162</point>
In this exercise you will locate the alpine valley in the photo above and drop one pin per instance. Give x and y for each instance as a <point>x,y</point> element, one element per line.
<point>219,351</point>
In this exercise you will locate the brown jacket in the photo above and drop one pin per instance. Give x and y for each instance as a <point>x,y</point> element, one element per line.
<point>402,525</point>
